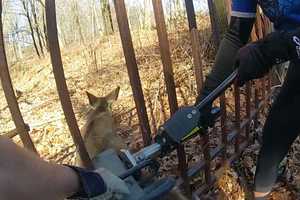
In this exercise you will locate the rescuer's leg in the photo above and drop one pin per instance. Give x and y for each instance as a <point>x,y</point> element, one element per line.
<point>281,129</point>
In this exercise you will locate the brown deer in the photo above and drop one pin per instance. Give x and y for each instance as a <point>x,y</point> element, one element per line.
<point>99,132</point>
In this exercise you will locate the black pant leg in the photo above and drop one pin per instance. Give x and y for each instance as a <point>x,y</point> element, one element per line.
<point>281,129</point>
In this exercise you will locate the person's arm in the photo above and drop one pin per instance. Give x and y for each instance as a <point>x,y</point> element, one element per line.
<point>241,23</point>
<point>257,58</point>
<point>23,175</point>
<point>242,19</point>
<point>235,38</point>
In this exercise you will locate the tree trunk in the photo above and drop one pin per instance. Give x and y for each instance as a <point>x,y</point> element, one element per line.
<point>77,21</point>
<point>221,9</point>
<point>27,14</point>
<point>36,25</point>
<point>106,17</point>
<point>46,43</point>
<point>218,17</point>
<point>17,45</point>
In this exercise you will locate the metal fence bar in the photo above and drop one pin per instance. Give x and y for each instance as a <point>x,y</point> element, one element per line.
<point>132,69</point>
<point>190,11</point>
<point>223,125</point>
<point>61,84</point>
<point>256,104</point>
<point>207,158</point>
<point>237,105</point>
<point>22,128</point>
<point>263,92</point>
<point>197,58</point>
<point>169,78</point>
<point>214,22</point>
<point>165,54</point>
<point>248,107</point>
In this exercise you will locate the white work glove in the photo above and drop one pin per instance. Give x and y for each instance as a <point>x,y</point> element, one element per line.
<point>116,188</point>
<point>100,184</point>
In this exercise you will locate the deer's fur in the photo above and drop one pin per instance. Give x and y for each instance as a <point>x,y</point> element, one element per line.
<point>99,132</point>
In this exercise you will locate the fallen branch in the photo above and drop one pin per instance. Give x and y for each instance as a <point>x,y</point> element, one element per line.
<point>13,133</point>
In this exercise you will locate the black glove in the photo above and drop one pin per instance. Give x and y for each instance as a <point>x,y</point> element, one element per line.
<point>257,58</point>
<point>205,117</point>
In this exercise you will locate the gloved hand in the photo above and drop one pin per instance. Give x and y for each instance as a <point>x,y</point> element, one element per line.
<point>100,184</point>
<point>116,188</point>
<point>257,58</point>
<point>251,63</point>
<point>205,120</point>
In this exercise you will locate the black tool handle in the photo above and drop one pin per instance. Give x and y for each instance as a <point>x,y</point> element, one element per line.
<point>216,92</point>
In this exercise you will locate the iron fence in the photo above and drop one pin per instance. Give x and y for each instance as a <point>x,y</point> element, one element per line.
<point>256,93</point>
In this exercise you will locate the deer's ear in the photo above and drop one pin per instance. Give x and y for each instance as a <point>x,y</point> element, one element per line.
<point>113,95</point>
<point>92,98</point>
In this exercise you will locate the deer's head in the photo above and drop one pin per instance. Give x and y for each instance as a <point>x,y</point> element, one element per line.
<point>103,104</point>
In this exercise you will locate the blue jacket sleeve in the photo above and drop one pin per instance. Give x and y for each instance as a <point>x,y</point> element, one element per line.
<point>244,8</point>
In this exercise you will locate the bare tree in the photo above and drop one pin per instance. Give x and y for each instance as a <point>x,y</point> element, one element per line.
<point>106,17</point>
<point>38,32</point>
<point>218,16</point>
<point>30,23</point>
<point>77,20</point>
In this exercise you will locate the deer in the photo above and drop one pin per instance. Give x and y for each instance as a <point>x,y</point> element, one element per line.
<point>99,132</point>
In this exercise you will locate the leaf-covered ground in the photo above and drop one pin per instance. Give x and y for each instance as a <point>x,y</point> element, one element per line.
<point>99,67</point>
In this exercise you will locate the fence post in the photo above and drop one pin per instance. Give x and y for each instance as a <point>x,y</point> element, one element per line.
<point>132,69</point>
<point>190,10</point>
<point>169,78</point>
<point>197,59</point>
<point>61,84</point>
<point>237,103</point>
<point>214,22</point>
<point>223,125</point>
<point>165,55</point>
<point>10,95</point>
<point>248,108</point>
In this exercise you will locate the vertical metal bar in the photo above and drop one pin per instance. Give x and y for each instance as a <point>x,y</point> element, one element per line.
<point>223,125</point>
<point>264,88</point>
<point>248,108</point>
<point>169,77</point>
<point>197,59</point>
<point>10,95</point>
<point>183,166</point>
<point>190,10</point>
<point>207,158</point>
<point>263,93</point>
<point>214,22</point>
<point>152,115</point>
<point>165,54</point>
<point>256,104</point>
<point>132,69</point>
<point>237,116</point>
<point>61,84</point>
